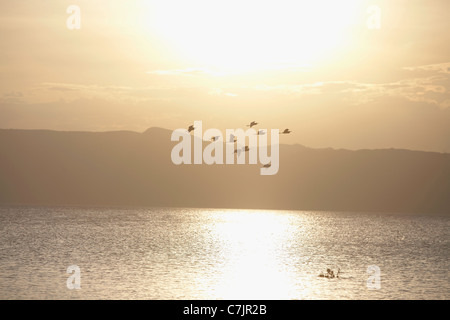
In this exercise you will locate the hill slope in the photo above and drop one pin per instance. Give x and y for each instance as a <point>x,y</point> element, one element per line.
<point>39,167</point>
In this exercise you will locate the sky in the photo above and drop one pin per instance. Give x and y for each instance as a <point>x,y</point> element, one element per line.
<point>314,67</point>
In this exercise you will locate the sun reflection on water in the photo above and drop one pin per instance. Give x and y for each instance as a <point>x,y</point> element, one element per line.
<point>254,269</point>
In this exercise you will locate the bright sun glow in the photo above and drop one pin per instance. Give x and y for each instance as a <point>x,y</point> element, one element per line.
<point>253,34</point>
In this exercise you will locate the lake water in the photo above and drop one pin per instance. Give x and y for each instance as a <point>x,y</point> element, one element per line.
<point>166,253</point>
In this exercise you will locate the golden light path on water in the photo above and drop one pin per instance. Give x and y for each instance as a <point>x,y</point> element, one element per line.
<point>253,243</point>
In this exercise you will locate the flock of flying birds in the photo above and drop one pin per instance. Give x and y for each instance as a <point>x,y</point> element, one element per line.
<point>246,148</point>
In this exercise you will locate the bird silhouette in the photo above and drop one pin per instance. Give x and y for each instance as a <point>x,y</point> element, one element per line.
<point>253,123</point>
<point>244,149</point>
<point>232,138</point>
<point>267,165</point>
<point>191,128</point>
<point>286,131</point>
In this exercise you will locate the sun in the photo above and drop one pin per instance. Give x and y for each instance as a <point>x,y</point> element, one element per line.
<point>254,34</point>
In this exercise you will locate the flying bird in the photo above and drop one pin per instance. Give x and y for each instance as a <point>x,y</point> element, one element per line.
<point>191,128</point>
<point>245,149</point>
<point>267,165</point>
<point>286,131</point>
<point>253,123</point>
<point>232,138</point>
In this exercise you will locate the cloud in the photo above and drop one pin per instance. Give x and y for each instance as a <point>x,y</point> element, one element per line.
<point>220,92</point>
<point>269,67</point>
<point>432,90</point>
<point>184,72</point>
<point>12,97</point>
<point>440,68</point>
<point>13,94</point>
<point>51,91</point>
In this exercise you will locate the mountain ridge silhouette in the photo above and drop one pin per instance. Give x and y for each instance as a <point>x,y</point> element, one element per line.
<point>127,168</point>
